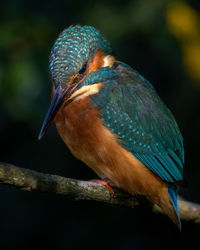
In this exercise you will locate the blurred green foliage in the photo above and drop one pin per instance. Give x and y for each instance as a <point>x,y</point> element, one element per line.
<point>160,39</point>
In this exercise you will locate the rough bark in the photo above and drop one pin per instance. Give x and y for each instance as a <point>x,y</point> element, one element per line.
<point>29,180</point>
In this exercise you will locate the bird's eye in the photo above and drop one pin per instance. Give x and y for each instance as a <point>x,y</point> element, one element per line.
<point>83,69</point>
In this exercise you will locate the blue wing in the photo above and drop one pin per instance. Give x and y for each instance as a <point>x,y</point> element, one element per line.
<point>132,109</point>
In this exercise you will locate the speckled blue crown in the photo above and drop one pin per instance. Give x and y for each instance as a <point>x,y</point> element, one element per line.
<point>73,48</point>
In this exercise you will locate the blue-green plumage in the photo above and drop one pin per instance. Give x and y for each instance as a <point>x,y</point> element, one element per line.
<point>173,192</point>
<point>129,106</point>
<point>133,111</point>
<point>72,50</point>
<point>129,103</point>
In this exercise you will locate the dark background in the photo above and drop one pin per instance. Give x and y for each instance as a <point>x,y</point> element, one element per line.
<point>161,39</point>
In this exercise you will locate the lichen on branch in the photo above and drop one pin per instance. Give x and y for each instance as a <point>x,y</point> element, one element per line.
<point>29,180</point>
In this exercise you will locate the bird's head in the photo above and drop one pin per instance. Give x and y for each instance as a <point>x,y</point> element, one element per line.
<point>79,60</point>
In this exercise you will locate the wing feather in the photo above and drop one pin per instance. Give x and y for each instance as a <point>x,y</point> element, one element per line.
<point>132,109</point>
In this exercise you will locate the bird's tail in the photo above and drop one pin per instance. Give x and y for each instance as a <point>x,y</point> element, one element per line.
<point>169,204</point>
<point>173,191</point>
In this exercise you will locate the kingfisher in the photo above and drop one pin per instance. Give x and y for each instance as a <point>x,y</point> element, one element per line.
<point>112,119</point>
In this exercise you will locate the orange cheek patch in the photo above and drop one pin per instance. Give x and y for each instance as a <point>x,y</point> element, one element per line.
<point>97,61</point>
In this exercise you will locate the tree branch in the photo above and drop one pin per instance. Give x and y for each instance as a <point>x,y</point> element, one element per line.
<point>29,180</point>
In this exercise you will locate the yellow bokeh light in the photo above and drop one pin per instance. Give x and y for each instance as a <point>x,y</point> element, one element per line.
<point>192,59</point>
<point>184,23</point>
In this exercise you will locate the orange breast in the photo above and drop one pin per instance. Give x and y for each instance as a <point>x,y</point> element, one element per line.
<point>82,130</point>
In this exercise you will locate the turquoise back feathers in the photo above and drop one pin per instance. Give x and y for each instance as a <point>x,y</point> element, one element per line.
<point>74,47</point>
<point>129,107</point>
<point>129,103</point>
<point>132,109</point>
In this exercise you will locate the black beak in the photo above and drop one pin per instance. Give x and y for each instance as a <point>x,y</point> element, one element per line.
<point>61,95</point>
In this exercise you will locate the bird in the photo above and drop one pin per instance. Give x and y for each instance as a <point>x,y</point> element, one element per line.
<point>112,119</point>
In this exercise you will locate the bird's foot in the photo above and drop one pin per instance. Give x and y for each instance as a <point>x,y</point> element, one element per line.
<point>106,183</point>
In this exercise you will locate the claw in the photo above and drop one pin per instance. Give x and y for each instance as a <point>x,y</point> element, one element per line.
<point>105,182</point>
